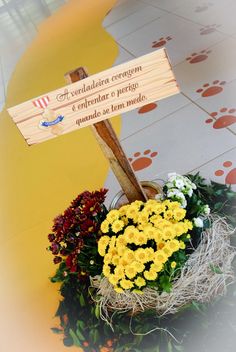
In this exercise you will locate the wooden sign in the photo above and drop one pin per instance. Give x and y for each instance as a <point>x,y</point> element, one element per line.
<point>122,88</point>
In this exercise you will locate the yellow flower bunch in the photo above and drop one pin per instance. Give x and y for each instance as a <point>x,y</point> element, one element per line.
<point>139,240</point>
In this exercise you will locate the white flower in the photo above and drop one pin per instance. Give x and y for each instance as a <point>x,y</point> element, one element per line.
<point>206,209</point>
<point>175,194</point>
<point>179,183</point>
<point>190,192</point>
<point>198,222</point>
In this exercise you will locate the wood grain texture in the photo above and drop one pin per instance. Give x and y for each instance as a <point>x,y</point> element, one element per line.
<point>110,145</point>
<point>98,97</point>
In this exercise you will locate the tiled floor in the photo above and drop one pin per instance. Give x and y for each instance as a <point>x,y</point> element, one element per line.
<point>196,129</point>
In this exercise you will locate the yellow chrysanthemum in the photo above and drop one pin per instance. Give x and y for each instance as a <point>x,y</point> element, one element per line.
<point>121,241</point>
<point>138,267</point>
<point>102,245</point>
<point>130,234</point>
<point>112,216</point>
<point>150,275</point>
<point>107,259</point>
<point>149,208</point>
<point>115,259</point>
<point>138,203</point>
<point>168,233</point>
<point>157,267</point>
<point>152,202</point>
<point>105,226</point>
<point>120,271</point>
<point>132,212</point>
<point>106,270</point>
<point>117,226</point>
<point>102,250</point>
<point>173,265</point>
<point>174,205</point>
<point>182,245</point>
<point>122,260</point>
<point>113,251</point>
<point>130,272</point>
<point>150,231</point>
<point>159,208</point>
<point>123,209</point>
<point>112,242</point>
<point>188,224</point>
<point>166,249</point>
<point>142,217</point>
<point>160,256</point>
<point>168,215</point>
<point>174,245</point>
<point>167,203</point>
<point>149,253</point>
<point>118,289</point>
<point>104,240</point>
<point>140,239</point>
<point>140,255</point>
<point>128,255</point>
<point>126,284</point>
<point>113,279</point>
<point>179,229</point>
<point>121,249</point>
<point>140,282</point>
<point>179,214</point>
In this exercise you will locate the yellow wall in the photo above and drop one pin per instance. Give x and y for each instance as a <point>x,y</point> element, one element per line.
<point>39,182</point>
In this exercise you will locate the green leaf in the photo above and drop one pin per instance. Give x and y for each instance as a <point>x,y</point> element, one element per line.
<point>79,334</point>
<point>80,324</point>
<point>74,338</point>
<point>215,269</point>
<point>97,311</point>
<point>81,300</point>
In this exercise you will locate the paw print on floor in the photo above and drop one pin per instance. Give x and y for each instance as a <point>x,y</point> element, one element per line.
<point>203,7</point>
<point>160,42</point>
<point>147,108</point>
<point>230,177</point>
<point>142,161</point>
<point>227,118</point>
<point>198,57</point>
<point>209,29</point>
<point>208,89</point>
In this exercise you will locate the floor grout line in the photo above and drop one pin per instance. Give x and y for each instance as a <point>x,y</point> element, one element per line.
<point>153,123</point>
<point>219,155</point>
<point>137,29</point>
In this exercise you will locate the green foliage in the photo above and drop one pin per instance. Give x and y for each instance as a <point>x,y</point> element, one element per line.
<point>220,198</point>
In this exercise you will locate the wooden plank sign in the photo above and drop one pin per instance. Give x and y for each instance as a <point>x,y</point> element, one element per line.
<point>119,89</point>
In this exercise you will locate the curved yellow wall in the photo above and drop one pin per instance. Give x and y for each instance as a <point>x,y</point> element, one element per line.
<point>38,182</point>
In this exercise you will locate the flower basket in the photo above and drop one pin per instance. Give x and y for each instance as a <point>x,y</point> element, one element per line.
<point>153,258</point>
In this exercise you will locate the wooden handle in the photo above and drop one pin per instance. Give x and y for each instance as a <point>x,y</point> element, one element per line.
<point>112,149</point>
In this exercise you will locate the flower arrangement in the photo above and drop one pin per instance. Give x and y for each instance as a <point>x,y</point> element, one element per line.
<point>140,261</point>
<point>144,244</point>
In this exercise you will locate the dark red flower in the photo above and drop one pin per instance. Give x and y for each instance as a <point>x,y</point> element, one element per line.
<point>57,260</point>
<point>51,237</point>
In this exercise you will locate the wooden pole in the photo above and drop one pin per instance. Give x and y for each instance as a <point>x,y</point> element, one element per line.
<point>112,149</point>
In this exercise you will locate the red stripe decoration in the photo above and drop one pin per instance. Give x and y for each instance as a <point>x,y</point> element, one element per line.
<point>41,103</point>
